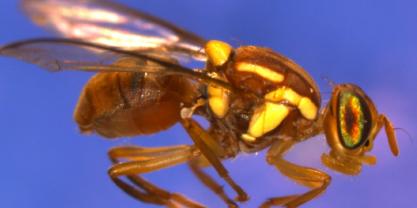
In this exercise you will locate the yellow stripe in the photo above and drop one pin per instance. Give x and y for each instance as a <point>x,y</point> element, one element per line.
<point>261,71</point>
<point>307,108</point>
<point>284,93</point>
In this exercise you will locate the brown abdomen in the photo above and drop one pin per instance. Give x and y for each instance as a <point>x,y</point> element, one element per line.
<point>121,104</point>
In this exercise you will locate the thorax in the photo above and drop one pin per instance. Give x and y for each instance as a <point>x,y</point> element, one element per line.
<point>274,98</point>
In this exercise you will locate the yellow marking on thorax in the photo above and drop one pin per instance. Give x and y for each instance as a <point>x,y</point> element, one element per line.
<point>262,71</point>
<point>307,108</point>
<point>218,98</point>
<point>265,119</point>
<point>218,52</point>
<point>270,115</point>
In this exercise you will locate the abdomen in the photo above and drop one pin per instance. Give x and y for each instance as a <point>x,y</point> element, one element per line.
<point>120,104</point>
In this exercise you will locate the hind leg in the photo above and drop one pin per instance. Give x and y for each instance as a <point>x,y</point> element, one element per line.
<point>131,161</point>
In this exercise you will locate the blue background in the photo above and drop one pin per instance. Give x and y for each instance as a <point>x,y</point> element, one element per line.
<point>45,162</point>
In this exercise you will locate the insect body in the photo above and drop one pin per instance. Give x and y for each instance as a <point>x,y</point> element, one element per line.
<point>253,98</point>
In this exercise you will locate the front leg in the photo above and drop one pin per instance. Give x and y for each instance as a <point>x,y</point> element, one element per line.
<point>310,177</point>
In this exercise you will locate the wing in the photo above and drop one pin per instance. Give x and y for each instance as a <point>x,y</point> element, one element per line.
<point>111,24</point>
<point>57,54</point>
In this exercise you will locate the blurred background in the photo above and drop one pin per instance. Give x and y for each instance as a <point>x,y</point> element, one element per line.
<point>45,162</point>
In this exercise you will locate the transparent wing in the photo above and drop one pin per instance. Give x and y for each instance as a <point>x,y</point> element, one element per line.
<point>55,54</point>
<point>108,23</point>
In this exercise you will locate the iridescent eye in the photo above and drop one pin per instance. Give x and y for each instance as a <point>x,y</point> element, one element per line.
<point>354,120</point>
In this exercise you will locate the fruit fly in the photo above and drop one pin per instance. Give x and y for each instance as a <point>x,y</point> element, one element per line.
<point>253,98</point>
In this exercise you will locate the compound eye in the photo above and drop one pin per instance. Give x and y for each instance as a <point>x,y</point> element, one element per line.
<point>353,119</point>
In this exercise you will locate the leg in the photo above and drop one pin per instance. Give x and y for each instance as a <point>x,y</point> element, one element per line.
<point>211,151</point>
<point>312,178</point>
<point>196,168</point>
<point>139,160</point>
